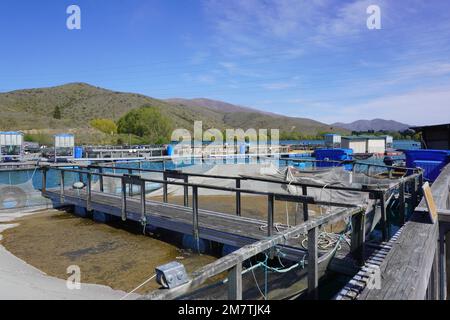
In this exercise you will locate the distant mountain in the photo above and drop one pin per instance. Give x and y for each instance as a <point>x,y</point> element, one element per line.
<point>213,105</point>
<point>32,110</point>
<point>375,125</point>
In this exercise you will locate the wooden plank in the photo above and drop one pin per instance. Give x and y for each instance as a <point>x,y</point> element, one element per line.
<point>407,267</point>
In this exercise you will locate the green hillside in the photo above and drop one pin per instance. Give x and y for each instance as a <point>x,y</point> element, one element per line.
<point>32,111</point>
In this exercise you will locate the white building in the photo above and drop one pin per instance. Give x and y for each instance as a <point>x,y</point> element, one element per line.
<point>364,144</point>
<point>333,140</point>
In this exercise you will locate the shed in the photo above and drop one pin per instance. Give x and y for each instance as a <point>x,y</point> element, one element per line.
<point>332,140</point>
<point>11,145</point>
<point>64,146</point>
<point>435,137</point>
<point>364,144</point>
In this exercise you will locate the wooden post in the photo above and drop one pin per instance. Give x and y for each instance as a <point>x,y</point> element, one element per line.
<point>383,216</point>
<point>235,282</point>
<point>305,205</point>
<point>100,170</point>
<point>313,271</point>
<point>124,200</point>
<point>130,188</point>
<point>238,197</point>
<point>61,187</point>
<point>165,197</point>
<point>186,191</point>
<point>270,213</point>
<point>195,216</point>
<point>402,203</point>
<point>143,200</point>
<point>44,179</point>
<point>89,192</point>
<point>358,237</point>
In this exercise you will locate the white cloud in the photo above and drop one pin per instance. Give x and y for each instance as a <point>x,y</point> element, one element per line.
<point>415,108</point>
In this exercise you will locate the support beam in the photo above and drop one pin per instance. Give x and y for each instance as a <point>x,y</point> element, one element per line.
<point>100,170</point>
<point>238,197</point>
<point>89,192</point>
<point>61,183</point>
<point>305,205</point>
<point>270,215</point>
<point>124,200</point>
<point>195,226</point>
<point>186,191</point>
<point>165,196</point>
<point>384,228</point>
<point>358,237</point>
<point>235,282</point>
<point>143,218</point>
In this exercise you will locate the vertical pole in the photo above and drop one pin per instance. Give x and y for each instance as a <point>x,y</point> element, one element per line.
<point>44,179</point>
<point>195,216</point>
<point>130,188</point>
<point>89,191</point>
<point>420,187</point>
<point>238,197</point>
<point>313,271</point>
<point>358,237</point>
<point>186,191</point>
<point>383,216</point>
<point>402,203</point>
<point>270,213</point>
<point>235,282</point>
<point>305,205</point>
<point>143,200</point>
<point>124,199</point>
<point>165,198</point>
<point>61,187</point>
<point>100,171</point>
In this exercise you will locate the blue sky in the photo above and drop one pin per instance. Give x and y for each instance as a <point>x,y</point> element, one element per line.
<point>302,58</point>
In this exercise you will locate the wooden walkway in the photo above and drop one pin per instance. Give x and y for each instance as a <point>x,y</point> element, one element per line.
<point>223,228</point>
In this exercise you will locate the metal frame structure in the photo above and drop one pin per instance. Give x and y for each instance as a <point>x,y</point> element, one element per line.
<point>11,139</point>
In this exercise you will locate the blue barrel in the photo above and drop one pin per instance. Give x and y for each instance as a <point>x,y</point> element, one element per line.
<point>170,150</point>
<point>78,153</point>
<point>242,149</point>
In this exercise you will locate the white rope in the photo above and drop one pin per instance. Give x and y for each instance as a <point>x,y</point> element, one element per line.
<point>138,287</point>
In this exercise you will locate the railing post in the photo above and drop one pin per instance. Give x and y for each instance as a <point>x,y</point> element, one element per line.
<point>402,203</point>
<point>130,188</point>
<point>195,216</point>
<point>124,199</point>
<point>383,216</point>
<point>44,179</point>
<point>313,271</point>
<point>238,197</point>
<point>270,214</point>
<point>143,201</point>
<point>165,197</point>
<point>235,282</point>
<point>186,191</point>
<point>100,170</point>
<point>89,192</point>
<point>358,237</point>
<point>61,186</point>
<point>305,205</point>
